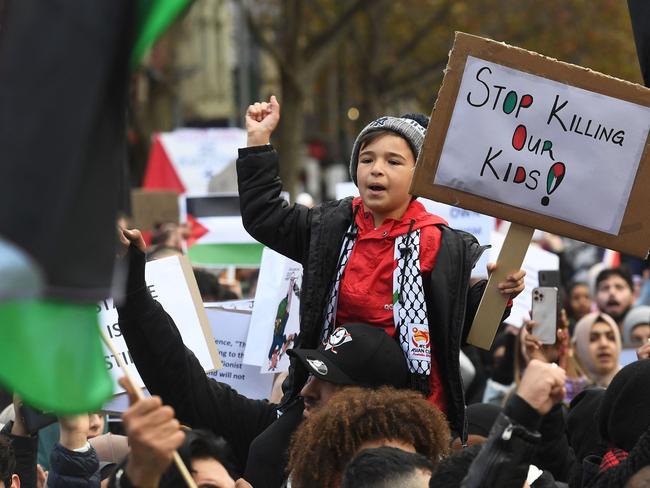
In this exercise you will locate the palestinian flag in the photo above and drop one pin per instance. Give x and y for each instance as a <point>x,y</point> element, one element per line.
<point>191,160</point>
<point>64,71</point>
<point>218,234</point>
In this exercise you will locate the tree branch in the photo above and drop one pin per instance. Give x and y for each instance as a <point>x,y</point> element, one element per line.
<point>409,46</point>
<point>314,53</point>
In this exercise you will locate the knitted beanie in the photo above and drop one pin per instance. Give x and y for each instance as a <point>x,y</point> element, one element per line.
<point>636,316</point>
<point>624,412</point>
<point>411,127</point>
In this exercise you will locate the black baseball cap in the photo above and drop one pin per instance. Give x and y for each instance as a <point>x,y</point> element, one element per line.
<point>357,354</point>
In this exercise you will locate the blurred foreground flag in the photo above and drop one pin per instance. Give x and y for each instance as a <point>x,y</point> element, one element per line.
<point>153,18</point>
<point>64,72</point>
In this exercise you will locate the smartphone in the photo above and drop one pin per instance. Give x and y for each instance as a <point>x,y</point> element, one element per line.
<point>549,277</point>
<point>545,313</point>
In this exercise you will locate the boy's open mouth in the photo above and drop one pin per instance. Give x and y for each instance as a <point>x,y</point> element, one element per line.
<point>376,187</point>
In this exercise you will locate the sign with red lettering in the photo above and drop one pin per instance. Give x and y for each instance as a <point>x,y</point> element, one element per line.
<point>541,143</point>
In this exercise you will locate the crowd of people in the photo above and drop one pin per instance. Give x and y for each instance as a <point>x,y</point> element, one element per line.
<point>383,390</point>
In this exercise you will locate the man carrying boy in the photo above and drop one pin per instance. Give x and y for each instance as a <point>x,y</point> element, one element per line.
<point>380,258</point>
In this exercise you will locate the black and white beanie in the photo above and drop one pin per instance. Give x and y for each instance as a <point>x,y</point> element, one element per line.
<point>411,127</point>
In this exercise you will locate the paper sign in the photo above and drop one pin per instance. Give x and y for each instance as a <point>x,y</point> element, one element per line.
<point>538,144</point>
<point>230,329</point>
<point>536,259</point>
<point>542,143</point>
<point>199,155</point>
<point>479,225</point>
<point>171,283</point>
<point>275,319</point>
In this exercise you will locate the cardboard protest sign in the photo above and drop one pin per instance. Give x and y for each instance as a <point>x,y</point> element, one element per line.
<point>477,224</point>
<point>150,207</point>
<point>171,282</point>
<point>540,143</point>
<point>275,319</point>
<point>230,326</point>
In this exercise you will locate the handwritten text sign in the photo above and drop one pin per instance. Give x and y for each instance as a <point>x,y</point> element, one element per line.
<point>541,143</point>
<point>538,144</point>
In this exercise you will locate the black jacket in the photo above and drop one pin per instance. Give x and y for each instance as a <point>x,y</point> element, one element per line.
<point>313,237</point>
<point>618,476</point>
<point>25,450</point>
<point>171,371</point>
<point>505,458</point>
<point>71,469</point>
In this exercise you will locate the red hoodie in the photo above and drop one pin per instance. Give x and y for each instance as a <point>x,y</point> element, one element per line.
<point>366,289</point>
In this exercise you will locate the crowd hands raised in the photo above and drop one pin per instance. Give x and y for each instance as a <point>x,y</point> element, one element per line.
<point>356,411</point>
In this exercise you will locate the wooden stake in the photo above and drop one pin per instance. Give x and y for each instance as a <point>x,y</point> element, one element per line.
<point>177,458</point>
<point>493,303</point>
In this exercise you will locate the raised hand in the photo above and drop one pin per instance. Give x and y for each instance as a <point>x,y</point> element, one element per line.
<point>542,386</point>
<point>261,120</point>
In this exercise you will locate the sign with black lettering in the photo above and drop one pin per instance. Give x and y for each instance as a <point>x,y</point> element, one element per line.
<point>542,143</point>
<point>172,283</point>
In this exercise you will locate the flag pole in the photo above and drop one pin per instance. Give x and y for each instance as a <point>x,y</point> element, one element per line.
<point>177,458</point>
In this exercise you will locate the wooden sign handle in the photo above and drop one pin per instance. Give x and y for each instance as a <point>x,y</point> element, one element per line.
<point>187,477</point>
<point>493,303</point>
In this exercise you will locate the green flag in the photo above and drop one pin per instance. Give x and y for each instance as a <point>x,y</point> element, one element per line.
<point>52,355</point>
<point>64,87</point>
<point>153,18</point>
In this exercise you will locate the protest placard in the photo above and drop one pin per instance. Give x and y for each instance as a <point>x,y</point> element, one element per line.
<point>171,283</point>
<point>190,160</point>
<point>230,326</point>
<point>477,224</point>
<point>275,320</point>
<point>542,144</point>
<point>151,207</point>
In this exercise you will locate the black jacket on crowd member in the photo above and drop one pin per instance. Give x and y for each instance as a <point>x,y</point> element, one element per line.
<point>73,469</point>
<point>25,450</point>
<point>171,371</point>
<point>506,456</point>
<point>618,476</point>
<point>313,237</point>
<point>554,454</point>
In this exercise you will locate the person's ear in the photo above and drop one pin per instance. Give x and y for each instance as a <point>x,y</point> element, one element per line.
<point>15,481</point>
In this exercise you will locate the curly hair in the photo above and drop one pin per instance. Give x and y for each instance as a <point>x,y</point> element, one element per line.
<point>330,438</point>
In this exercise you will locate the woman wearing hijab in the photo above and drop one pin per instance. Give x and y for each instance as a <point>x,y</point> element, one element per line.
<point>597,343</point>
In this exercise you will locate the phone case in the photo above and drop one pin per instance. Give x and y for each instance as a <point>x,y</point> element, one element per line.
<point>545,313</point>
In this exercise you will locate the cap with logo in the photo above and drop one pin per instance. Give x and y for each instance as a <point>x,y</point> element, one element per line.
<point>357,354</point>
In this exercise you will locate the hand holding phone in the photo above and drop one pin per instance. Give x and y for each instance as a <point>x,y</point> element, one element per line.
<point>545,313</point>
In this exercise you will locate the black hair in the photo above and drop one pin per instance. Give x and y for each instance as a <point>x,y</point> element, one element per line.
<point>7,461</point>
<point>206,445</point>
<point>201,444</point>
<point>451,471</point>
<point>384,467</point>
<point>620,271</point>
